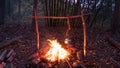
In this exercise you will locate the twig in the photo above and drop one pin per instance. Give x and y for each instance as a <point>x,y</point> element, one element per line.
<point>68,63</point>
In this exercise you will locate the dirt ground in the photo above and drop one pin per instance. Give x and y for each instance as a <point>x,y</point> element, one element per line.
<point>99,50</point>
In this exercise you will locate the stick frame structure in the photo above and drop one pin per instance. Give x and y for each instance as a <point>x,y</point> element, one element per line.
<point>67,18</point>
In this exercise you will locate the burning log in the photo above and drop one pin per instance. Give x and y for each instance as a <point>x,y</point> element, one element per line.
<point>78,65</point>
<point>53,55</point>
<point>79,55</point>
<point>7,42</point>
<point>36,58</point>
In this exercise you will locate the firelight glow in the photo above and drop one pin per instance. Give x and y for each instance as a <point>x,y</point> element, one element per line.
<point>56,52</point>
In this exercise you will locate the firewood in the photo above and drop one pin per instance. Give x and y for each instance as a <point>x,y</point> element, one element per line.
<point>36,61</point>
<point>8,42</point>
<point>2,56</point>
<point>9,54</point>
<point>36,55</point>
<point>11,57</point>
<point>79,55</point>
<point>78,65</point>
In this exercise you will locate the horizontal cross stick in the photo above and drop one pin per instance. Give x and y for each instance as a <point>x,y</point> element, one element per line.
<point>58,17</point>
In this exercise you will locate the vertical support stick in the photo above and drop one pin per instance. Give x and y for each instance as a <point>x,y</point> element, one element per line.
<point>36,25</point>
<point>84,31</point>
<point>69,27</point>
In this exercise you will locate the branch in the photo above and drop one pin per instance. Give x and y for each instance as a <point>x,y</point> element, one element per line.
<point>6,43</point>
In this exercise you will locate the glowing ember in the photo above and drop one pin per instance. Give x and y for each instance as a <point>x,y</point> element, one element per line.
<point>56,52</point>
<point>67,40</point>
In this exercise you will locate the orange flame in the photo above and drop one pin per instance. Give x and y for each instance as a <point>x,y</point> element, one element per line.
<point>56,52</point>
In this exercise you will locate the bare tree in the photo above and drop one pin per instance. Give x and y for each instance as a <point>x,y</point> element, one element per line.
<point>19,11</point>
<point>2,11</point>
<point>115,22</point>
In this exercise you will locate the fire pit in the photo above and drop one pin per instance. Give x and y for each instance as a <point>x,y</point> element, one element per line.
<point>54,54</point>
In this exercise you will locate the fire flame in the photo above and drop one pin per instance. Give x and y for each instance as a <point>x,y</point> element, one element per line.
<point>56,52</point>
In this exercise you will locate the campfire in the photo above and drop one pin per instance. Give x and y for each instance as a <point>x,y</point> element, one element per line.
<point>56,52</point>
<point>59,34</point>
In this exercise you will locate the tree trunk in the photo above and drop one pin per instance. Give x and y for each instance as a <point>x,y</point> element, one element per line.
<point>19,11</point>
<point>2,11</point>
<point>114,25</point>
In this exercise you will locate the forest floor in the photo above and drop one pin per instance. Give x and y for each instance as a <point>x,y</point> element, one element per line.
<point>99,49</point>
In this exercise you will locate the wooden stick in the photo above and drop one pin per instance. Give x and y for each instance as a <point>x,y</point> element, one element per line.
<point>68,63</point>
<point>2,56</point>
<point>9,54</point>
<point>10,59</point>
<point>69,27</point>
<point>84,31</point>
<point>59,17</point>
<point>36,24</point>
<point>37,30</point>
<point>7,42</point>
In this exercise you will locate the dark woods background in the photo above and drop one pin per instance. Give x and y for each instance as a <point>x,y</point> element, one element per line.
<point>103,13</point>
